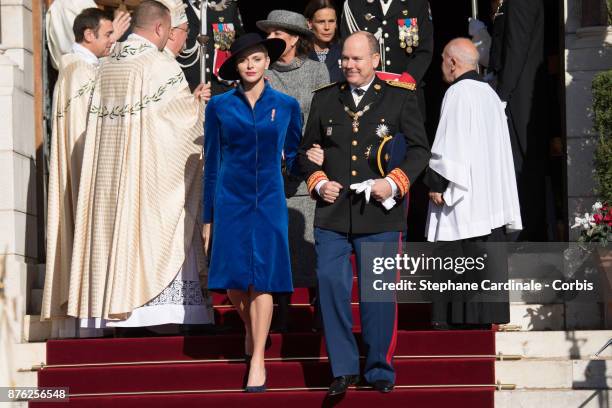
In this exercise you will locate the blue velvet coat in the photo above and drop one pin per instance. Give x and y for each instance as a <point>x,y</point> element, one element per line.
<point>244,195</point>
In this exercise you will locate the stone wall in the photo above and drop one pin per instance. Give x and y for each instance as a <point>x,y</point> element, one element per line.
<point>588,50</point>
<point>18,213</point>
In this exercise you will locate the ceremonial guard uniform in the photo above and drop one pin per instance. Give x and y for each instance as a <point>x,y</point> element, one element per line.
<point>224,24</point>
<point>349,135</point>
<point>404,30</point>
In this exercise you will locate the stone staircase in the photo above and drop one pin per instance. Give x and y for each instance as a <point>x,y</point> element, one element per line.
<point>556,344</point>
<point>557,369</point>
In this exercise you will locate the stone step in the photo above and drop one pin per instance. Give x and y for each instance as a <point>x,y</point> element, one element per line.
<point>555,374</point>
<point>557,316</point>
<point>34,330</point>
<point>578,344</point>
<point>24,357</point>
<point>553,398</point>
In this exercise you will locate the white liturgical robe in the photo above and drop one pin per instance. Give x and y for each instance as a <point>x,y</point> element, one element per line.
<point>472,151</point>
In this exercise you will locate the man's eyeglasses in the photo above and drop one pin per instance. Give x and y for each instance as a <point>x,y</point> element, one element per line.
<point>182,29</point>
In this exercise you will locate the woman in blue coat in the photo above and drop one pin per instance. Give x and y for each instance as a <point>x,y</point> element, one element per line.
<point>247,132</point>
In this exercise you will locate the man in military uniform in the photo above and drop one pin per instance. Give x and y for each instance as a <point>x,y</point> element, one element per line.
<point>347,120</point>
<point>404,31</point>
<point>224,25</point>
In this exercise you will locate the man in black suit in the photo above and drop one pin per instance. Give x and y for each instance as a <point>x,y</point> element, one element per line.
<point>224,25</point>
<point>517,59</point>
<point>348,120</point>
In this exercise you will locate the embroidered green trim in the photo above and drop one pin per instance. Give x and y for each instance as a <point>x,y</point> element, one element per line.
<point>122,111</point>
<point>86,89</point>
<point>129,50</point>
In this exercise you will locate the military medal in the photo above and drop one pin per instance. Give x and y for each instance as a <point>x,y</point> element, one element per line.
<point>224,35</point>
<point>408,34</point>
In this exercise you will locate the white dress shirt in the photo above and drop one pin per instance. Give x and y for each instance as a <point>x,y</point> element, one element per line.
<point>385,6</point>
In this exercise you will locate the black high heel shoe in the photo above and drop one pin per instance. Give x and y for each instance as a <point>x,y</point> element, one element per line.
<point>257,388</point>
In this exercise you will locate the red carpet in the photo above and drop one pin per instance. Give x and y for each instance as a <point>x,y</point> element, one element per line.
<point>288,345</point>
<point>434,368</point>
<point>475,397</point>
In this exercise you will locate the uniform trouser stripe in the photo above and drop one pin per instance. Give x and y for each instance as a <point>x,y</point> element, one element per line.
<point>378,319</point>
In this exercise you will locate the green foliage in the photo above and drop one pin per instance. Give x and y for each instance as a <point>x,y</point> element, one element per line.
<point>602,109</point>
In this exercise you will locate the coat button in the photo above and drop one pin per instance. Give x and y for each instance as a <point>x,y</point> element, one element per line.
<point>384,22</point>
<point>388,62</point>
<point>354,143</point>
<point>386,35</point>
<point>353,173</point>
<point>387,49</point>
<point>354,158</point>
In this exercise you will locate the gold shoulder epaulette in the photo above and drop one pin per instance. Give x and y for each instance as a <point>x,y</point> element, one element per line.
<point>398,84</point>
<point>325,86</point>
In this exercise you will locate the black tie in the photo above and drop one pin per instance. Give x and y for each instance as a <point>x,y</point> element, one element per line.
<point>359,92</point>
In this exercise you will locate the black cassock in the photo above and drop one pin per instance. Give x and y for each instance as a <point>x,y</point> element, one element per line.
<point>223,25</point>
<point>464,307</point>
<point>517,57</point>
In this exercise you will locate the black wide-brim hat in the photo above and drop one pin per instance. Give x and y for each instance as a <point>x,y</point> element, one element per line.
<point>275,47</point>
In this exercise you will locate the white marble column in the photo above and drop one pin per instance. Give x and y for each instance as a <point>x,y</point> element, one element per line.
<point>18,214</point>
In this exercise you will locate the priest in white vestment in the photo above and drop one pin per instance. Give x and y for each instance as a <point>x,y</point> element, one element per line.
<point>138,258</point>
<point>93,31</point>
<point>59,26</point>
<point>471,155</point>
<point>473,193</point>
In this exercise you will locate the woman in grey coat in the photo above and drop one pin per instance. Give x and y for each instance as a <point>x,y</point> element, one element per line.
<point>294,73</point>
<point>297,76</point>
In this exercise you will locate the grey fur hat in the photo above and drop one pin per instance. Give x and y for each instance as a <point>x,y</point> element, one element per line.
<point>286,20</point>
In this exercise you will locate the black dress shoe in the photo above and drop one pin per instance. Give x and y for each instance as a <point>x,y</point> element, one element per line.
<point>341,383</point>
<point>383,386</point>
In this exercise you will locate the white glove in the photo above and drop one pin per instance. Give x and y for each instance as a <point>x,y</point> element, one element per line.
<point>475,26</point>
<point>366,188</point>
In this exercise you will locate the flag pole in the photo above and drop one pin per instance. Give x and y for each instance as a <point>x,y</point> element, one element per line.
<point>203,40</point>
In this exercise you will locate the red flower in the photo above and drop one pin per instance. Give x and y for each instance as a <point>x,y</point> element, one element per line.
<point>598,218</point>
